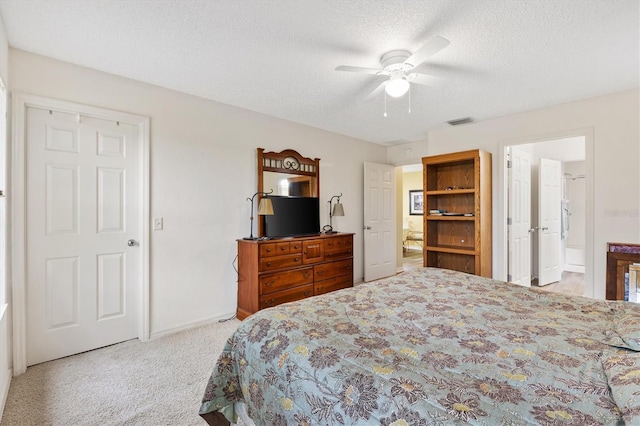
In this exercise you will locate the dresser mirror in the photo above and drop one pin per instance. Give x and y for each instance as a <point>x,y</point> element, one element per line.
<point>287,173</point>
<point>289,184</point>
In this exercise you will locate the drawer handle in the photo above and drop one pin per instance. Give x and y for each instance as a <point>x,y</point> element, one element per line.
<point>268,250</point>
<point>283,248</point>
<point>268,263</point>
<point>269,283</point>
<point>271,302</point>
<point>320,272</point>
<point>320,289</point>
<point>306,274</point>
<point>307,293</point>
<point>329,254</point>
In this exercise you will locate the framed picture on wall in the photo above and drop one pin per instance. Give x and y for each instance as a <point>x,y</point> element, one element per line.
<point>416,202</point>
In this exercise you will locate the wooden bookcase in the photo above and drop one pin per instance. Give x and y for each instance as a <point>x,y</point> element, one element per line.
<point>458,183</point>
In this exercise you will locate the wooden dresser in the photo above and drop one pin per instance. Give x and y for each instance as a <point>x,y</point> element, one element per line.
<point>271,272</point>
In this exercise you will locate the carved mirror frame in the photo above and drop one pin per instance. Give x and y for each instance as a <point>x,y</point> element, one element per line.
<point>288,162</point>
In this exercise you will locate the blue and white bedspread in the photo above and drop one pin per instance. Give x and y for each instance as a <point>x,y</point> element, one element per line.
<point>433,347</point>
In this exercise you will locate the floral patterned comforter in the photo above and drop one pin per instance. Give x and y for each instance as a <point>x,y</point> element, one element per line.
<point>433,347</point>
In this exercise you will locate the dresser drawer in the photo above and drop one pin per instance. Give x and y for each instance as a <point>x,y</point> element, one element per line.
<point>285,296</point>
<point>338,243</point>
<point>279,262</point>
<point>337,253</point>
<point>333,269</point>
<point>268,250</point>
<point>275,249</point>
<point>332,284</point>
<point>283,280</point>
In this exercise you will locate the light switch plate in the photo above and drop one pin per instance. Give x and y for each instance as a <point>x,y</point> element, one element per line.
<point>158,223</point>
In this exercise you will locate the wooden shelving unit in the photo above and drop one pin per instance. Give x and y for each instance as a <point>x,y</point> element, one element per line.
<point>458,183</point>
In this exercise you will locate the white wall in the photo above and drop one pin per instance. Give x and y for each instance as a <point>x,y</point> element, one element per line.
<point>614,121</point>
<point>5,309</point>
<point>408,153</point>
<point>203,167</point>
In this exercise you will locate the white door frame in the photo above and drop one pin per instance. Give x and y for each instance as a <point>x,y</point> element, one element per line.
<point>501,229</point>
<point>21,102</point>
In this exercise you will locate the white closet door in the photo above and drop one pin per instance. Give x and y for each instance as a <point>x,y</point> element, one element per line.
<point>82,232</point>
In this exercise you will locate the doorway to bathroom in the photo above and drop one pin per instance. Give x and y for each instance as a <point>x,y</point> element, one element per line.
<point>546,205</point>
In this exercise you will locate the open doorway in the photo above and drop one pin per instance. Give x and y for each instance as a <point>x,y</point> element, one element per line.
<point>412,217</point>
<point>546,204</point>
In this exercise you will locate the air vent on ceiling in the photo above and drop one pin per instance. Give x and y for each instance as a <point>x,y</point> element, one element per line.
<point>460,121</point>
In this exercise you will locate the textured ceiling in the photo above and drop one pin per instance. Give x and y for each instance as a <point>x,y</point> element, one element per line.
<point>278,57</point>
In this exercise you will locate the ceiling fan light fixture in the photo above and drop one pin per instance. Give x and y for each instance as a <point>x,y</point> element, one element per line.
<point>397,87</point>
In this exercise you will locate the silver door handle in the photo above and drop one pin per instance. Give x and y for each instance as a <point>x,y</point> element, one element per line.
<point>366,228</point>
<point>545,228</point>
<point>132,243</point>
<point>532,230</point>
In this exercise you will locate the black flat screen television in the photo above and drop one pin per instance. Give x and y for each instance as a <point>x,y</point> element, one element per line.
<point>293,216</point>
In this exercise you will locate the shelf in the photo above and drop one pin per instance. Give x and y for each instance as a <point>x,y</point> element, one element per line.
<point>452,249</point>
<point>451,191</point>
<point>461,243</point>
<point>438,217</point>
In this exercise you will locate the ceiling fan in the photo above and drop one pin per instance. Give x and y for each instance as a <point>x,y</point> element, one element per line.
<point>397,65</point>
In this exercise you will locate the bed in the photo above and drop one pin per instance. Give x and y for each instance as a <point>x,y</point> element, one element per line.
<point>432,347</point>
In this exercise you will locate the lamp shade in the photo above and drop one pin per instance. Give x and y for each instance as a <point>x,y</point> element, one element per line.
<point>338,210</point>
<point>265,208</point>
<point>396,87</point>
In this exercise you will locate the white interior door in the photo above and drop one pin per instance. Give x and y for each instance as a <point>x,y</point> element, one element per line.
<point>549,213</point>
<point>379,221</point>
<point>519,224</point>
<point>82,198</point>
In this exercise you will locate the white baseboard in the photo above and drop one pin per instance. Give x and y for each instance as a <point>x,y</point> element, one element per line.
<point>158,334</point>
<point>574,268</point>
<point>5,390</point>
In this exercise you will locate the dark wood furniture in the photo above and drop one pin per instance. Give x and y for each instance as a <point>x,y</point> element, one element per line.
<point>458,183</point>
<point>619,257</point>
<point>301,173</point>
<point>271,272</point>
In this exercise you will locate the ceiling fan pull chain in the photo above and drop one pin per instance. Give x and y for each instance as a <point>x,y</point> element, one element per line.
<point>385,105</point>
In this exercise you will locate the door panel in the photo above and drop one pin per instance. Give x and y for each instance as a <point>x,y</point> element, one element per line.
<point>379,221</point>
<point>82,196</point>
<point>520,217</point>
<point>549,213</point>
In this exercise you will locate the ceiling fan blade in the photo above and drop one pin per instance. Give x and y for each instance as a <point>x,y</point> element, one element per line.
<point>431,47</point>
<point>374,94</point>
<point>424,79</point>
<point>358,69</point>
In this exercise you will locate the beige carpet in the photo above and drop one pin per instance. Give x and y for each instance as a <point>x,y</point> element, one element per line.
<point>160,382</point>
